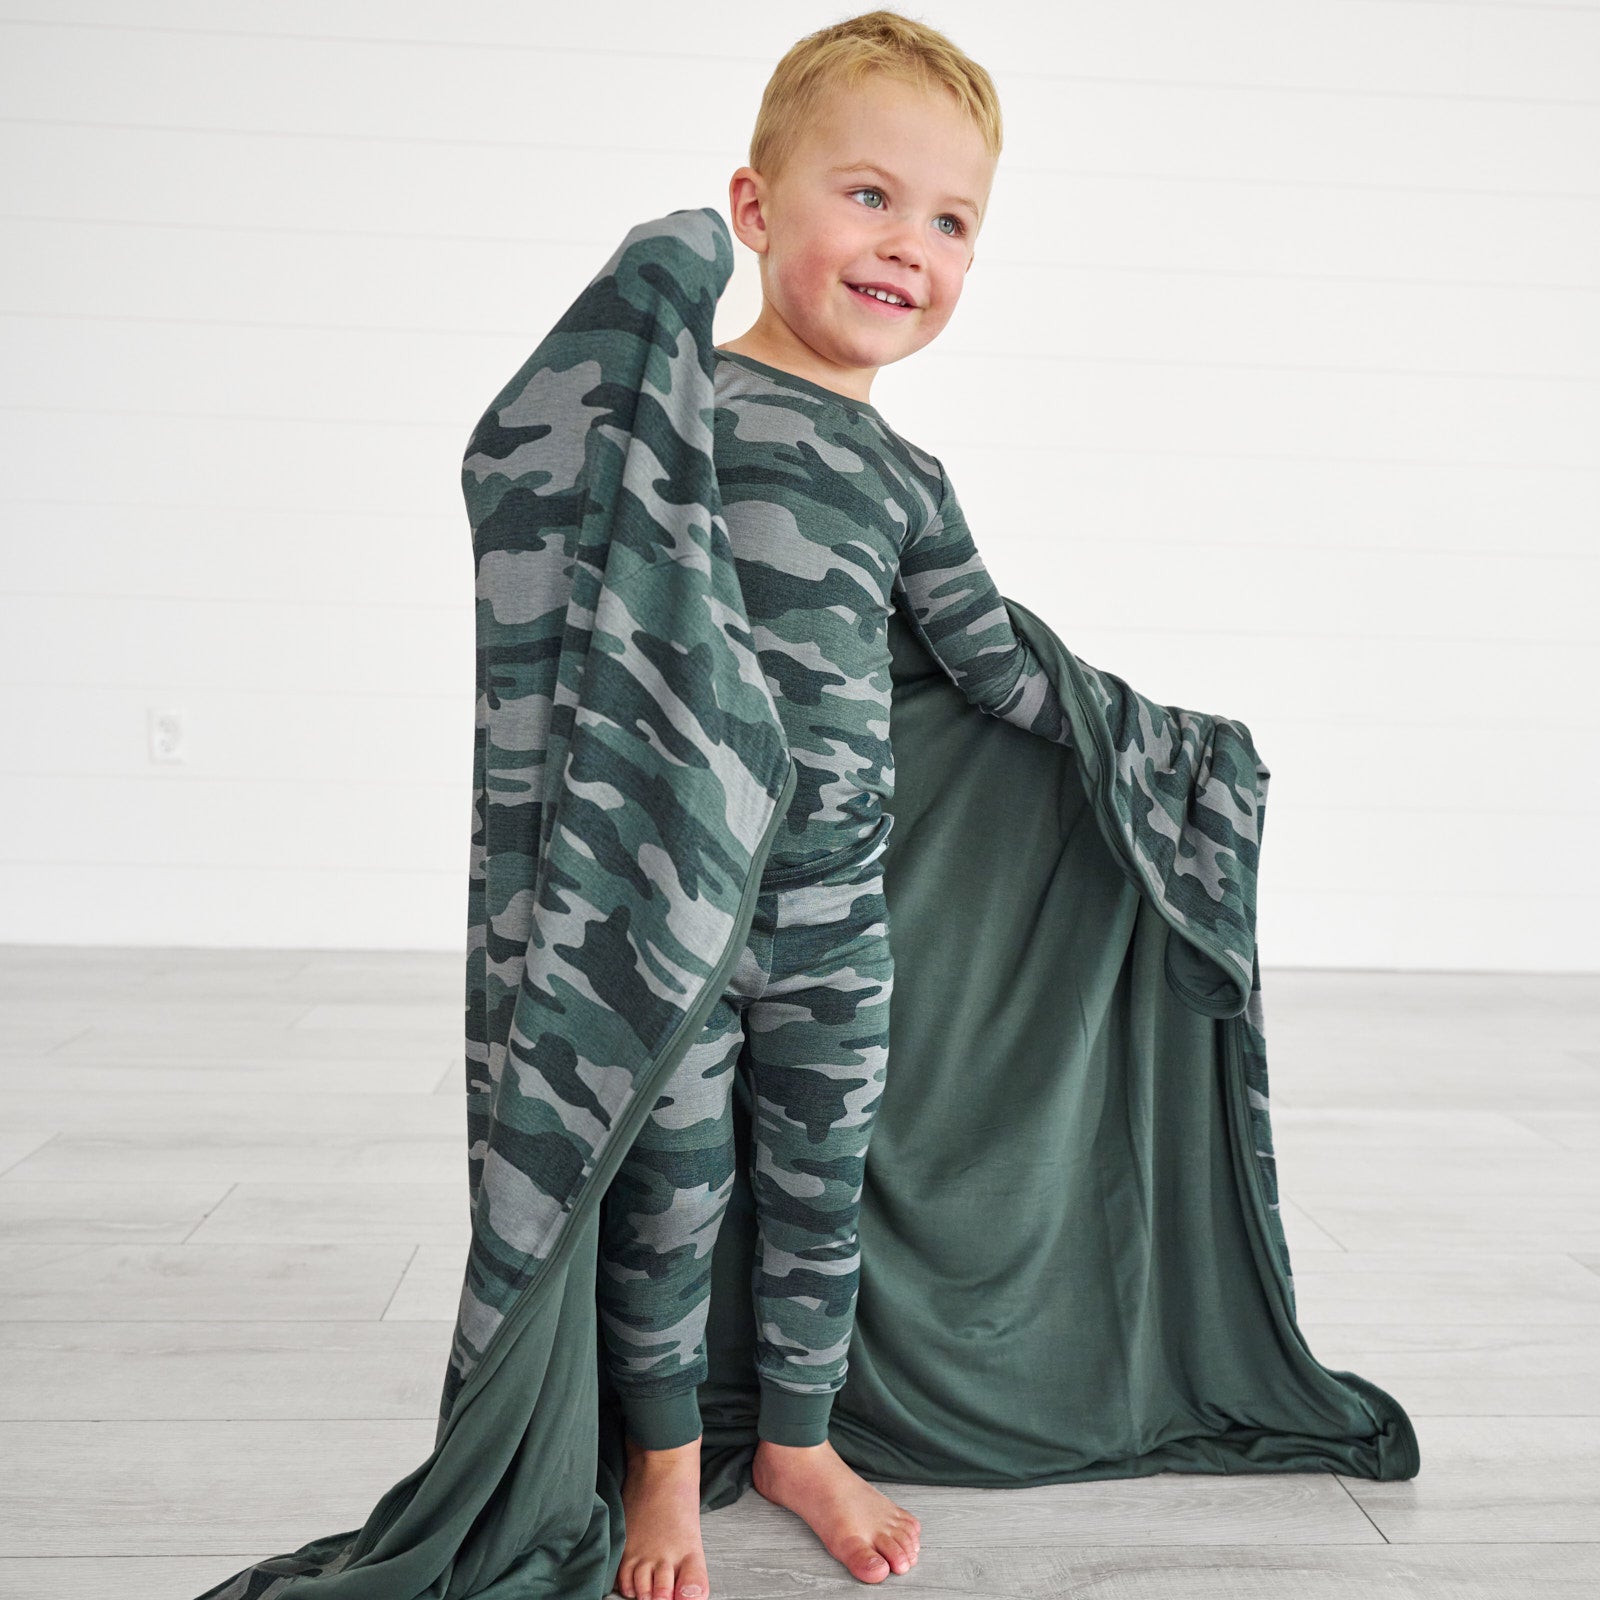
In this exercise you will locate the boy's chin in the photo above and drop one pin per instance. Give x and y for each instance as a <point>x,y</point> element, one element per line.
<point>879,346</point>
<point>889,351</point>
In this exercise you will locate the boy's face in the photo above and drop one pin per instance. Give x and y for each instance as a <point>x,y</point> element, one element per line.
<point>830,221</point>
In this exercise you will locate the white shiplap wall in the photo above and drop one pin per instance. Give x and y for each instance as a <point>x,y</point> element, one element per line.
<point>1275,389</point>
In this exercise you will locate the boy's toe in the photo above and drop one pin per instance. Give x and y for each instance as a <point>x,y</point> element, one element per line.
<point>869,1565</point>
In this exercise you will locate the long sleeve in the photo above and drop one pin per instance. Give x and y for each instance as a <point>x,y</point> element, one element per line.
<point>952,603</point>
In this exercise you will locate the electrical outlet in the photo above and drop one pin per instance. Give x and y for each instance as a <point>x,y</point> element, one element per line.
<point>166,736</point>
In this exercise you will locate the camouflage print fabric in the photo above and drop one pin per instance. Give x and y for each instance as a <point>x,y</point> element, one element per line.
<point>630,763</point>
<point>833,519</point>
<point>1072,1263</point>
<point>836,521</point>
<point>806,1015</point>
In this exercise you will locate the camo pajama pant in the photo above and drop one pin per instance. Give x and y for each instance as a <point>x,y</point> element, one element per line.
<point>808,1006</point>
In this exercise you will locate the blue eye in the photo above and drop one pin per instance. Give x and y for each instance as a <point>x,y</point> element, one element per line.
<point>960,226</point>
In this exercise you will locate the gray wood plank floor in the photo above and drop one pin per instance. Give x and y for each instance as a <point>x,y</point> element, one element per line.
<point>232,1221</point>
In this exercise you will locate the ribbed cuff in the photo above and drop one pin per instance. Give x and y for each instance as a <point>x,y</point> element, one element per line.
<point>662,1421</point>
<point>790,1418</point>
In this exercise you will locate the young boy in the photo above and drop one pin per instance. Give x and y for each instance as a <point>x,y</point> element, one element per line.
<point>872,159</point>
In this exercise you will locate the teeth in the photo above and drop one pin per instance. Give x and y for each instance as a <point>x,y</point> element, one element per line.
<point>880,294</point>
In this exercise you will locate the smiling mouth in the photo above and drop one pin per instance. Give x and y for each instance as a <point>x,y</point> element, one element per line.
<point>881,297</point>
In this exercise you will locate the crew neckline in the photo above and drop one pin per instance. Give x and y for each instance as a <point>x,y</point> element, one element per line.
<point>783,377</point>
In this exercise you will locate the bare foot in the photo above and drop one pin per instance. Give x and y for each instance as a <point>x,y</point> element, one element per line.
<point>860,1525</point>
<point>662,1555</point>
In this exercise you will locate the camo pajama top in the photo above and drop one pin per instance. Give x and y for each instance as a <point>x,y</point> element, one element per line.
<point>831,516</point>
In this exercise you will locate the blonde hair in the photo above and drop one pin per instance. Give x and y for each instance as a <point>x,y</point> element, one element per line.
<point>842,55</point>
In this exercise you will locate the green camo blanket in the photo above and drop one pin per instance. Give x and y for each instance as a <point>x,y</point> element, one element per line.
<point>1072,1261</point>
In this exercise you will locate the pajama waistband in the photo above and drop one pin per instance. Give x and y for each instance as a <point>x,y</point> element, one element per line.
<point>858,854</point>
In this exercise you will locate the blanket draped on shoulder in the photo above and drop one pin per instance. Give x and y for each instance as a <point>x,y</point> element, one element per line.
<point>1073,1265</point>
